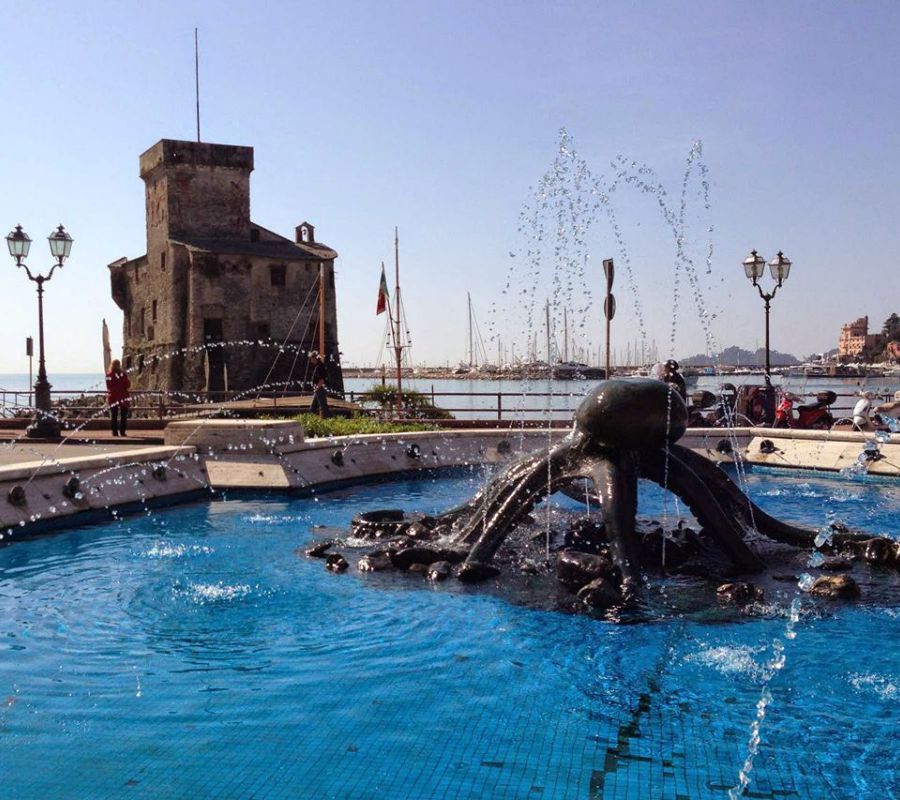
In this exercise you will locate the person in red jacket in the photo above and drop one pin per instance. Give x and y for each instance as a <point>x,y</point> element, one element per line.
<point>117,386</point>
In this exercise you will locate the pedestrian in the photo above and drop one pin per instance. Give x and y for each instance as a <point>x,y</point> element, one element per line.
<point>672,376</point>
<point>117,397</point>
<point>319,403</point>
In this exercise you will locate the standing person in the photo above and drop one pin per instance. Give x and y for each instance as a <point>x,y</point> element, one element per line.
<point>117,397</point>
<point>319,403</point>
<point>673,376</point>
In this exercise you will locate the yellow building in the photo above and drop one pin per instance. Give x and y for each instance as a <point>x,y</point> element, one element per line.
<point>855,338</point>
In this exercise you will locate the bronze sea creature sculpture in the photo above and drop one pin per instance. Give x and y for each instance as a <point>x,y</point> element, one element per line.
<point>624,430</point>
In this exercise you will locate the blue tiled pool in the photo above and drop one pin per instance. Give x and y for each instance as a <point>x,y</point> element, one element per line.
<point>192,653</point>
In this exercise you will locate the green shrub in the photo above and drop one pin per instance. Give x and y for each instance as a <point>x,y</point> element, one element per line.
<point>416,405</point>
<point>315,427</point>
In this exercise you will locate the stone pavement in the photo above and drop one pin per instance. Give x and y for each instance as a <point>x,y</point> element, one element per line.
<point>16,448</point>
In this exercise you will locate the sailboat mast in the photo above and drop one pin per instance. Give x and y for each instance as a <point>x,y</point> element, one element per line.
<point>547,315</point>
<point>565,335</point>
<point>322,309</point>
<point>398,346</point>
<point>471,361</point>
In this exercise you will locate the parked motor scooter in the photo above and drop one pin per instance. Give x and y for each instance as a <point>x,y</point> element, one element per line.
<point>812,416</point>
<point>712,410</point>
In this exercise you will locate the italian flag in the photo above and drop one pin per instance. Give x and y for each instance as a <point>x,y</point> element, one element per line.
<point>384,295</point>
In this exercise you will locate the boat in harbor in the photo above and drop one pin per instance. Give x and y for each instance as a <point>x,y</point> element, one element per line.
<point>575,371</point>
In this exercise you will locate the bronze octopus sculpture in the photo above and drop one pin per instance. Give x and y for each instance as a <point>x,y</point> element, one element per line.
<point>624,429</point>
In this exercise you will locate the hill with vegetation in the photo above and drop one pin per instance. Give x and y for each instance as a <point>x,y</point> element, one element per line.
<point>738,357</point>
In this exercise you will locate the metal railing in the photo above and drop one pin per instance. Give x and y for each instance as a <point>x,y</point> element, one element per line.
<point>493,405</point>
<point>158,405</point>
<point>143,404</point>
<point>505,405</point>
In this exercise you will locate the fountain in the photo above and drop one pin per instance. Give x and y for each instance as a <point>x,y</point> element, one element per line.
<point>623,430</point>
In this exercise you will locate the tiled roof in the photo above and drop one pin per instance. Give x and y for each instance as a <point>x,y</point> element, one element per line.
<point>284,249</point>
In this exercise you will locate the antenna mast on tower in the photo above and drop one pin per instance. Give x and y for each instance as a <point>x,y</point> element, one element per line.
<point>197,78</point>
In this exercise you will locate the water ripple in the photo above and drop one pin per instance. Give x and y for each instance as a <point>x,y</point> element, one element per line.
<point>885,687</point>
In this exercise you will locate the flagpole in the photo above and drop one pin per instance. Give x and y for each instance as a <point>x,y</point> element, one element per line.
<point>398,346</point>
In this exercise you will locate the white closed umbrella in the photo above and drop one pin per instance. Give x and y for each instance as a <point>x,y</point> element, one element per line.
<point>107,352</point>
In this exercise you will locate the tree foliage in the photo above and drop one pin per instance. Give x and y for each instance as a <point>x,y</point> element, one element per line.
<point>415,404</point>
<point>891,328</point>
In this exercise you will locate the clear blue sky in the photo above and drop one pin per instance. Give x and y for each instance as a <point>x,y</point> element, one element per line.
<point>437,117</point>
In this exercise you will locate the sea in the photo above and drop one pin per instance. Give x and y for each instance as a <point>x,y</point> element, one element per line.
<point>492,399</point>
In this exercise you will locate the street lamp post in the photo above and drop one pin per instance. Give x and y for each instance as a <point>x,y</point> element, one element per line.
<point>780,267</point>
<point>44,425</point>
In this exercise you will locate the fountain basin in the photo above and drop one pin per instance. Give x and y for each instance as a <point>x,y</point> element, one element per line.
<point>193,653</point>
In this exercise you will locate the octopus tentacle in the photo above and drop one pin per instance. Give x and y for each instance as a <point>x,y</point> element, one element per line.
<point>531,480</point>
<point>615,481</point>
<point>692,485</point>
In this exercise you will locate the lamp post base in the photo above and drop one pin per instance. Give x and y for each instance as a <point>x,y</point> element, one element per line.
<point>44,424</point>
<point>43,428</point>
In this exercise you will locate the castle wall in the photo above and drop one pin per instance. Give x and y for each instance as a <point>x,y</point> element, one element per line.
<point>166,350</point>
<point>216,295</point>
<point>196,189</point>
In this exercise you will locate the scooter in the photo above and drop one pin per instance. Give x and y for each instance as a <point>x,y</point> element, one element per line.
<point>719,408</point>
<point>812,416</point>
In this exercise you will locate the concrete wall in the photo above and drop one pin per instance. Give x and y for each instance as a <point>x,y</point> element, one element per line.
<point>241,455</point>
<point>72,491</point>
<point>236,454</point>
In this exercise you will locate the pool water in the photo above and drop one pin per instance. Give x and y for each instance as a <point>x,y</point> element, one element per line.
<point>193,653</point>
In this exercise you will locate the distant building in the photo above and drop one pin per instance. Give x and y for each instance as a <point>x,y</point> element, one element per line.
<point>207,306</point>
<point>892,352</point>
<point>855,338</point>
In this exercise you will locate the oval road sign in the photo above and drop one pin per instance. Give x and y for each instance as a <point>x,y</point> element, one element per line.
<point>609,306</point>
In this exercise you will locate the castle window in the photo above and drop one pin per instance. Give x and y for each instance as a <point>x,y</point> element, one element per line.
<point>278,274</point>
<point>150,333</point>
<point>143,321</point>
<point>254,234</point>
<point>162,260</point>
<point>153,315</point>
<point>263,331</point>
<point>208,265</point>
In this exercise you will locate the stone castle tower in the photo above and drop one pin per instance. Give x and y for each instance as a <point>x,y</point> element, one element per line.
<point>216,295</point>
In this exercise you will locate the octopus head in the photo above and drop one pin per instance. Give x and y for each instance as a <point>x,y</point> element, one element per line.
<point>631,414</point>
